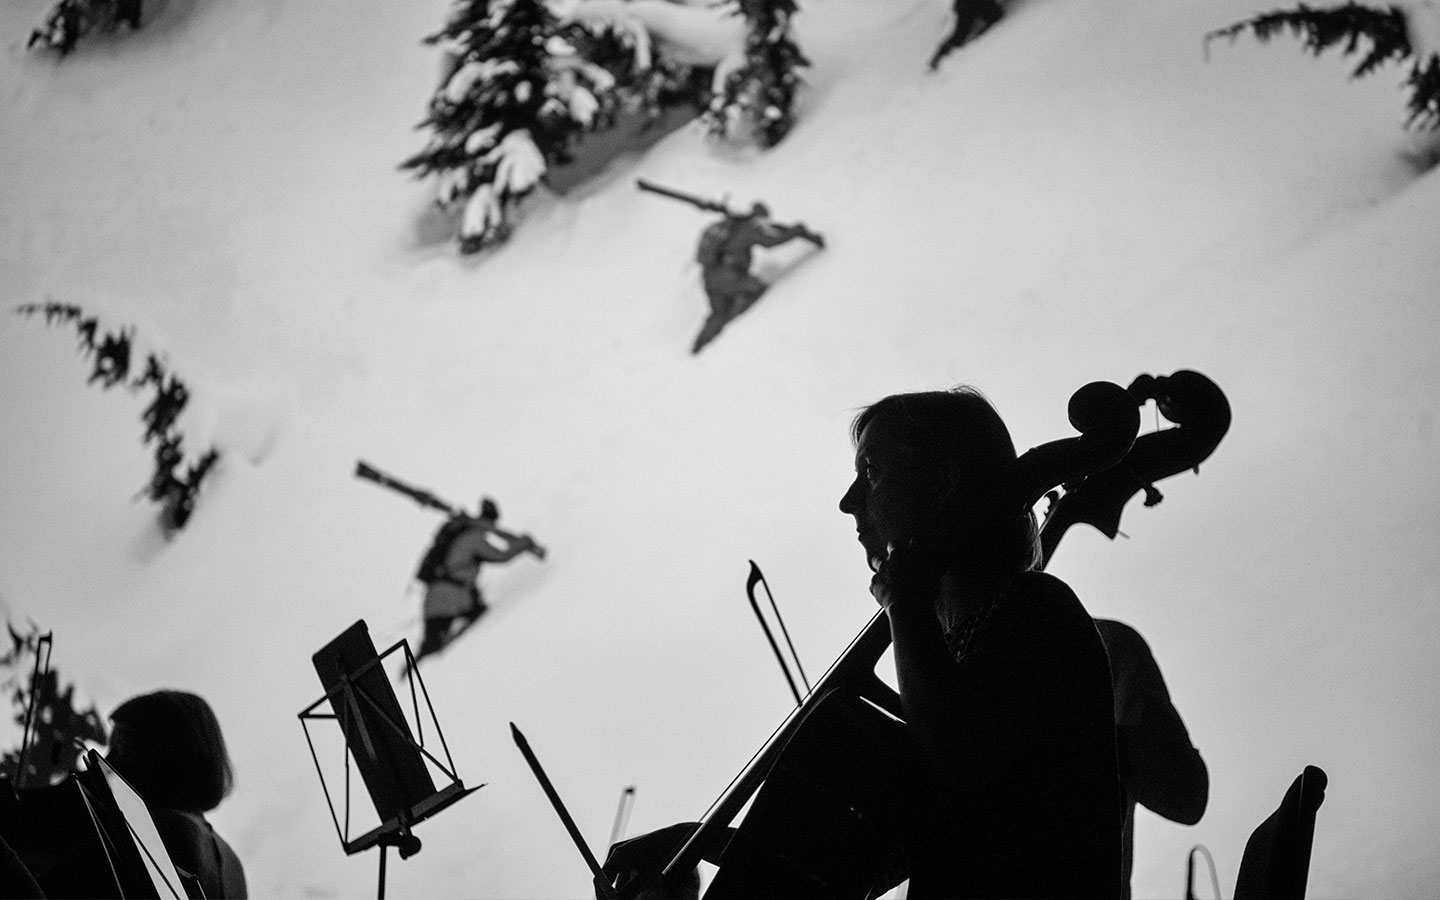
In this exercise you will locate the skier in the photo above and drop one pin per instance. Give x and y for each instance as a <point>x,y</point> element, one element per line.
<point>452,565</point>
<point>725,252</point>
<point>128,11</point>
<point>972,19</point>
<point>69,20</point>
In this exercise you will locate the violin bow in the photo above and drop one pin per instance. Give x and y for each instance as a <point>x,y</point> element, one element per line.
<point>46,640</point>
<point>757,577</point>
<point>602,884</point>
<point>622,814</point>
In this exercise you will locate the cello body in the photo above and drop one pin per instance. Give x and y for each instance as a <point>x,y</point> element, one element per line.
<point>827,773</point>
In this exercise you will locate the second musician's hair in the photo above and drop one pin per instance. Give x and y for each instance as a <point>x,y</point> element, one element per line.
<point>168,746</point>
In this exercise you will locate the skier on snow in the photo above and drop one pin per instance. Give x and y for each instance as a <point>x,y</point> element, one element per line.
<point>725,252</point>
<point>451,567</point>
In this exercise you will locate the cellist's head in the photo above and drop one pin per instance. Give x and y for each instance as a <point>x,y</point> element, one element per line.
<point>933,469</point>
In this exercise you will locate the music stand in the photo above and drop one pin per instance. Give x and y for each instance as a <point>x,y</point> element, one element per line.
<point>392,758</point>
<point>91,835</point>
<point>131,843</point>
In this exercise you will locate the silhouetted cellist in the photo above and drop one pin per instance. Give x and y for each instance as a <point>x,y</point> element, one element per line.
<point>999,779</point>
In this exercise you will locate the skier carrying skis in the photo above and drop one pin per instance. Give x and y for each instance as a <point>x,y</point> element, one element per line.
<point>972,19</point>
<point>451,567</point>
<point>725,252</point>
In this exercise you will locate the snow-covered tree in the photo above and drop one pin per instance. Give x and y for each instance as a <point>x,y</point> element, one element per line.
<point>515,96</point>
<point>1410,31</point>
<point>659,54</point>
<point>70,20</point>
<point>527,78</point>
<point>761,92</point>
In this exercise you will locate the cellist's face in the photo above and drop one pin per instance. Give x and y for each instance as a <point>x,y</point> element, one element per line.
<point>893,498</point>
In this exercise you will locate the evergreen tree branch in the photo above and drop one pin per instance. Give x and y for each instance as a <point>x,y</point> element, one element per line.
<point>110,353</point>
<point>1377,36</point>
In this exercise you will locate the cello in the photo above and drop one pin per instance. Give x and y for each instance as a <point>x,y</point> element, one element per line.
<point>813,829</point>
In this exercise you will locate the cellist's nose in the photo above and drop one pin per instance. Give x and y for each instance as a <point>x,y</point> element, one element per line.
<point>850,500</point>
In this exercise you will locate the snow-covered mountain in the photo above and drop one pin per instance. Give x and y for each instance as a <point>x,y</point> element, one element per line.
<point>1082,193</point>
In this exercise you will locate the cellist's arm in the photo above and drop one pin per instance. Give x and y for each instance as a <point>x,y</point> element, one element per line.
<point>635,864</point>
<point>1161,769</point>
<point>951,726</point>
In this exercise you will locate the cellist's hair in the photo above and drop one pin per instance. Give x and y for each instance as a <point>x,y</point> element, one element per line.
<point>960,432</point>
<point>168,745</point>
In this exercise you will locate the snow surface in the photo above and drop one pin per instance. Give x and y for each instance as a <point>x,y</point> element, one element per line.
<point>1080,194</point>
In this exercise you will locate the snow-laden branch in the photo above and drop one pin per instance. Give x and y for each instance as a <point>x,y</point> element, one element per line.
<point>690,34</point>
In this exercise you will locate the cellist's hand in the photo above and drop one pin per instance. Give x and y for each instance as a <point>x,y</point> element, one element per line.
<point>632,862</point>
<point>908,574</point>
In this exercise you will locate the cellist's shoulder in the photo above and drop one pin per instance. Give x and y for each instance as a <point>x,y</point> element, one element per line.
<point>1048,598</point>
<point>1043,586</point>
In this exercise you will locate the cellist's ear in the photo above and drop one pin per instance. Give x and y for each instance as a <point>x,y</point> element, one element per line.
<point>941,516</point>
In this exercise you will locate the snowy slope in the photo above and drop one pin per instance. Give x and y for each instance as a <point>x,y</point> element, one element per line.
<point>1079,195</point>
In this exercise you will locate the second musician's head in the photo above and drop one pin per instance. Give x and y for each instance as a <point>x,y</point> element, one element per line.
<point>168,745</point>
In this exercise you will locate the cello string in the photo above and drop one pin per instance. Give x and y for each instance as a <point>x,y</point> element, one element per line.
<point>780,728</point>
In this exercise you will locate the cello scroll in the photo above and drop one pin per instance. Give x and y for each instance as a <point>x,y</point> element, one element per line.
<point>1201,414</point>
